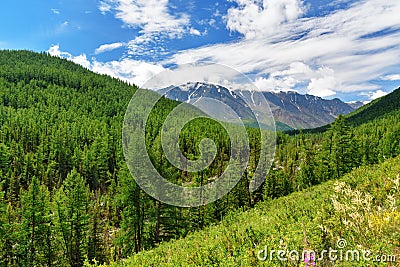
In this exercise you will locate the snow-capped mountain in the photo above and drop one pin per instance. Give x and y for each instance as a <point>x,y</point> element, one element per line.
<point>288,108</point>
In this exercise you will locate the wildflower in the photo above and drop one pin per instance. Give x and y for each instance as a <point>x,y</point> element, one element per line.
<point>309,259</point>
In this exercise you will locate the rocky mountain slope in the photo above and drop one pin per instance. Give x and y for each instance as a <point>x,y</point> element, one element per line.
<point>289,108</point>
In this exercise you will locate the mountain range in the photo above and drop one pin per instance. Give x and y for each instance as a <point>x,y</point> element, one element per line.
<point>291,110</point>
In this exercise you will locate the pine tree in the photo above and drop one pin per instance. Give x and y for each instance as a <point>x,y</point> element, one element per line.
<point>36,226</point>
<point>97,228</point>
<point>3,209</point>
<point>339,150</point>
<point>307,176</point>
<point>132,222</point>
<point>9,255</point>
<point>72,204</point>
<point>342,147</point>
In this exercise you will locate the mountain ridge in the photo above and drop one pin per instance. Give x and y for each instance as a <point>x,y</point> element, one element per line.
<point>289,108</point>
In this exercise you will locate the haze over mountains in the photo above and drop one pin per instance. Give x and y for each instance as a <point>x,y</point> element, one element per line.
<point>290,109</point>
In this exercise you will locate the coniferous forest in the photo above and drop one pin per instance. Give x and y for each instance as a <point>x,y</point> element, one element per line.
<point>68,198</point>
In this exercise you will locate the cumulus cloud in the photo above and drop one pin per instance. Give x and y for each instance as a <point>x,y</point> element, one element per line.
<point>321,82</point>
<point>274,84</point>
<point>254,18</point>
<point>133,71</point>
<point>150,16</point>
<point>322,87</point>
<point>55,51</point>
<point>108,47</point>
<point>375,94</point>
<point>82,60</point>
<point>276,35</point>
<point>194,31</point>
<point>378,94</point>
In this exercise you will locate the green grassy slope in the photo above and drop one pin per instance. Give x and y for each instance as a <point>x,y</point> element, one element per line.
<point>303,220</point>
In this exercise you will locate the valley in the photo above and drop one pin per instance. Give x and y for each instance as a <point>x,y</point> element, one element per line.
<point>68,197</point>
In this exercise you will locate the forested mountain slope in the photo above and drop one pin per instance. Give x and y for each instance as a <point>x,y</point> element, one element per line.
<point>67,193</point>
<point>379,107</point>
<point>362,210</point>
<point>315,218</point>
<point>384,106</point>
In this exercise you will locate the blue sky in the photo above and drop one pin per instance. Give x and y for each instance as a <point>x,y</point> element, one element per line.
<point>340,48</point>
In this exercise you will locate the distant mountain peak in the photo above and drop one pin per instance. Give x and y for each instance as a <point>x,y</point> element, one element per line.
<point>288,107</point>
<point>357,104</point>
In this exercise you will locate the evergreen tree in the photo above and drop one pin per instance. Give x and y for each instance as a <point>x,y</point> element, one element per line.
<point>9,254</point>
<point>132,214</point>
<point>342,147</point>
<point>72,204</point>
<point>96,229</point>
<point>35,228</point>
<point>307,175</point>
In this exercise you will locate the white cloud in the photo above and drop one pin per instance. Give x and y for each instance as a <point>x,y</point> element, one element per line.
<point>321,81</point>
<point>132,71</point>
<point>154,21</point>
<point>212,22</point>
<point>322,87</point>
<point>108,47</point>
<point>375,94</point>
<point>331,56</point>
<point>252,18</point>
<point>378,94</point>
<point>324,84</point>
<point>55,51</point>
<point>104,7</point>
<point>336,42</point>
<point>274,84</point>
<point>194,31</point>
<point>391,77</point>
<point>62,27</point>
<point>150,16</point>
<point>82,60</point>
<point>56,11</point>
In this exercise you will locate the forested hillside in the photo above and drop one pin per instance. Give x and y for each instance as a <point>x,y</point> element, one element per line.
<point>66,193</point>
<point>381,107</point>
<point>377,108</point>
<point>361,210</point>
